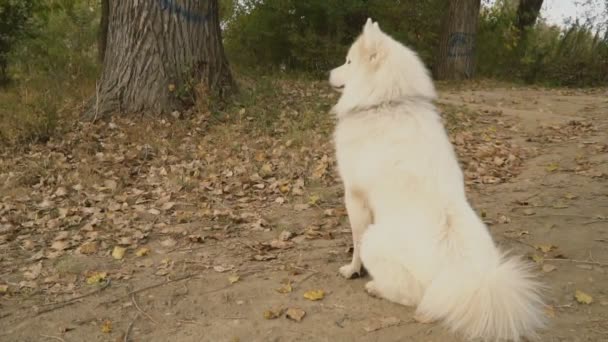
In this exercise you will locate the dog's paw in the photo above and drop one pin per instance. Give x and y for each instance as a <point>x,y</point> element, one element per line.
<point>348,271</point>
<point>372,290</point>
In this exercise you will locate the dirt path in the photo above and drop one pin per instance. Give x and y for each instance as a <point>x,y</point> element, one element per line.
<point>221,267</point>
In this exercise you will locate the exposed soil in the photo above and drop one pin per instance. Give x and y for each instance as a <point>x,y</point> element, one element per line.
<point>209,200</point>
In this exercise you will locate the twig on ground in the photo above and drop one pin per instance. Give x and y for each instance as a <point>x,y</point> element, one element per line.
<point>58,305</point>
<point>57,338</point>
<point>141,310</point>
<point>519,241</point>
<point>126,339</point>
<point>601,264</point>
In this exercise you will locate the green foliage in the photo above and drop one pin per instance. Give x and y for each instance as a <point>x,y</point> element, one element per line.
<point>53,65</point>
<point>546,54</point>
<point>314,35</point>
<point>15,18</point>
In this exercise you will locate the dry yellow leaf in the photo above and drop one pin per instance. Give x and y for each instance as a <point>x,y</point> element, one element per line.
<point>313,199</point>
<point>314,294</point>
<point>545,248</point>
<point>234,278</point>
<point>3,289</point>
<point>538,258</point>
<point>96,278</point>
<point>582,297</point>
<point>142,252</point>
<point>106,327</point>
<point>552,167</point>
<point>118,252</point>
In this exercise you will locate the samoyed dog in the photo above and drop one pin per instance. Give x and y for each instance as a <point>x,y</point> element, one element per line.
<point>412,226</point>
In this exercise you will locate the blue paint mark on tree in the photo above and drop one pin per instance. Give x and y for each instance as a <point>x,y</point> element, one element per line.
<point>461,44</point>
<point>173,8</point>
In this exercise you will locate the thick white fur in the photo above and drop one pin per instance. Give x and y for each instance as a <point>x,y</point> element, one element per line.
<point>412,225</point>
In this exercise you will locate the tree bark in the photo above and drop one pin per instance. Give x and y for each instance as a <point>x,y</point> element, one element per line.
<point>527,13</point>
<point>456,57</point>
<point>103,29</point>
<point>158,53</point>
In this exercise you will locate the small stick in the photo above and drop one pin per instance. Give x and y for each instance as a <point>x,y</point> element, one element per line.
<point>53,337</point>
<point>59,305</point>
<point>601,264</point>
<point>141,310</point>
<point>126,339</point>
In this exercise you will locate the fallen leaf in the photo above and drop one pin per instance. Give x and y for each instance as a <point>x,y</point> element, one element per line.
<point>286,288</point>
<point>118,252</point>
<point>295,314</point>
<point>545,248</point>
<point>234,278</point>
<point>142,252</point>
<point>106,327</point>
<point>582,297</point>
<point>314,199</point>
<point>559,206</point>
<point>552,167</point>
<point>222,269</point>
<point>60,245</point>
<point>570,196</point>
<point>538,258</point>
<point>264,257</point>
<point>88,248</point>
<point>33,271</point>
<point>96,278</point>
<point>548,268</point>
<point>3,289</point>
<point>529,212</point>
<point>274,312</point>
<point>285,235</point>
<point>382,323</point>
<point>314,294</point>
<point>168,243</point>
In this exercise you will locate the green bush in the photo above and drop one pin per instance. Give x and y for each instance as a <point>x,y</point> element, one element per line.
<point>313,36</point>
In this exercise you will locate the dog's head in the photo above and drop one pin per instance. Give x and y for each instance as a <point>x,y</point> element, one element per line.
<point>379,69</point>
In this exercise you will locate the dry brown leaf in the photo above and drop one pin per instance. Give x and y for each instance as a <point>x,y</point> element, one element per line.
<point>274,312</point>
<point>295,314</point>
<point>285,288</point>
<point>142,252</point>
<point>88,248</point>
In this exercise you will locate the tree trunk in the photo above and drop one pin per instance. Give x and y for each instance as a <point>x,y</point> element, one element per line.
<point>527,13</point>
<point>158,53</point>
<point>103,29</point>
<point>456,57</point>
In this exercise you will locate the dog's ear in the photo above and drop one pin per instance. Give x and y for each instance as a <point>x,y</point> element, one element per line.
<point>372,40</point>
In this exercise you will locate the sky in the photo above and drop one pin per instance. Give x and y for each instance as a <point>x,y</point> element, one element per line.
<point>558,11</point>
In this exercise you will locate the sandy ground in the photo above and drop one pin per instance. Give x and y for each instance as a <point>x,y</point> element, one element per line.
<point>202,264</point>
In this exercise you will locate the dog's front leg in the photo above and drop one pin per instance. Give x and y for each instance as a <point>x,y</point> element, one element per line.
<point>360,217</point>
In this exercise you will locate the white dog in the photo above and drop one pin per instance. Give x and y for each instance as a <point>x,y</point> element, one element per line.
<point>412,225</point>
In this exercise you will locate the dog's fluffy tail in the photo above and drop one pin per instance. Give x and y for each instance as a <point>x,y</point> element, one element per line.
<point>501,304</point>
